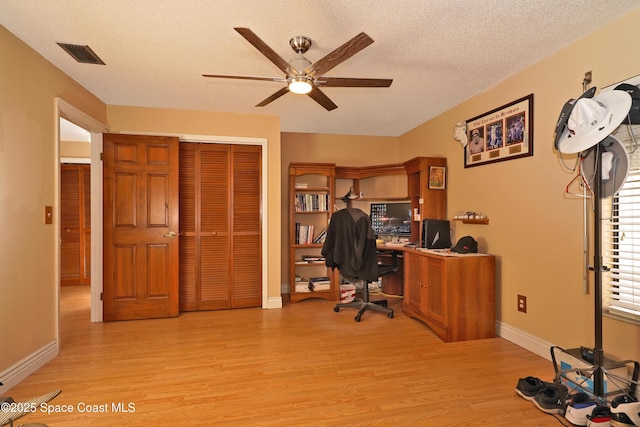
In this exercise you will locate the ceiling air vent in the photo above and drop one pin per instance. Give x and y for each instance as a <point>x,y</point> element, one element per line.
<point>81,53</point>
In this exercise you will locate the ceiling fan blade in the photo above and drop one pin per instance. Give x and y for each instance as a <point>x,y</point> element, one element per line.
<point>349,82</point>
<point>273,97</point>
<point>322,99</point>
<point>252,38</point>
<point>268,79</point>
<point>339,55</point>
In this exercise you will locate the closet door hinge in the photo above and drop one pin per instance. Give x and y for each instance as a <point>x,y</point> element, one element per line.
<point>101,156</point>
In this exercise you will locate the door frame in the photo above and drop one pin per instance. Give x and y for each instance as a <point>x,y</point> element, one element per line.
<point>67,111</point>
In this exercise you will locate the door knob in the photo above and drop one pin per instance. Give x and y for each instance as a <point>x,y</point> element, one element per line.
<point>172,234</point>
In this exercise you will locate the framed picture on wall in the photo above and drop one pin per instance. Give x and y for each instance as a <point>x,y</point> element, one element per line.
<point>437,176</point>
<point>504,133</point>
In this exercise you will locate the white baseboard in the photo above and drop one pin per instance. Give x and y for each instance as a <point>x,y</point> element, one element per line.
<point>27,366</point>
<point>524,340</point>
<point>274,302</point>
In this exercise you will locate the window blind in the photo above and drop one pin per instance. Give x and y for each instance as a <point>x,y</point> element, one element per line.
<point>621,236</point>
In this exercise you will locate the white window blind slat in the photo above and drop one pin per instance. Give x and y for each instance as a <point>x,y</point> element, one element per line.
<point>621,237</point>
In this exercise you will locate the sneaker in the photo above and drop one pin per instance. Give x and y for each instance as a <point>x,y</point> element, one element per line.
<point>549,400</point>
<point>625,411</point>
<point>528,387</point>
<point>578,408</point>
<point>600,417</point>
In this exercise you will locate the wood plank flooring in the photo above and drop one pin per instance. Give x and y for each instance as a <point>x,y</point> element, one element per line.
<point>303,365</point>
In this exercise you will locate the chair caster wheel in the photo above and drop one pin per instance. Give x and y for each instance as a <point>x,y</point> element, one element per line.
<point>336,309</point>
<point>357,318</point>
<point>390,315</point>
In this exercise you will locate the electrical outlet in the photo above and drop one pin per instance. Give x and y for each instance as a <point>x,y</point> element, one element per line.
<point>522,303</point>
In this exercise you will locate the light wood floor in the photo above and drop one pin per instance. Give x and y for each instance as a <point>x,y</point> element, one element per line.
<point>303,365</point>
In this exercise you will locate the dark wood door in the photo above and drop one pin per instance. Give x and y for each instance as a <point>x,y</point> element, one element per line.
<point>140,227</point>
<point>75,224</point>
<point>220,226</point>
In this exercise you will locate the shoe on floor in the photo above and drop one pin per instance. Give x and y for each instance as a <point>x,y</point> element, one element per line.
<point>578,408</point>
<point>549,400</point>
<point>600,417</point>
<point>528,387</point>
<point>625,411</point>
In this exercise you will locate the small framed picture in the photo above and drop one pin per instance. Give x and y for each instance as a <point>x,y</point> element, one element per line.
<point>437,176</point>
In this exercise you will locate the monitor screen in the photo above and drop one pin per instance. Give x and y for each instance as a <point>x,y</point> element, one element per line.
<point>436,234</point>
<point>391,218</point>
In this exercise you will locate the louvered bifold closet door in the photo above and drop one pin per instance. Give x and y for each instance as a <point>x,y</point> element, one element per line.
<point>247,237</point>
<point>188,273</point>
<point>220,226</point>
<point>204,227</point>
<point>75,230</point>
<point>215,290</point>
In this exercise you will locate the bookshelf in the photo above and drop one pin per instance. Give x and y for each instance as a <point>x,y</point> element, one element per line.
<point>313,198</point>
<point>311,204</point>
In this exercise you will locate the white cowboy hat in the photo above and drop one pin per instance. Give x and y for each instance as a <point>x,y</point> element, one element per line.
<point>593,119</point>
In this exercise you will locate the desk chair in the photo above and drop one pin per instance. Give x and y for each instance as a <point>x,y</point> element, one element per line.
<point>350,246</point>
<point>365,304</point>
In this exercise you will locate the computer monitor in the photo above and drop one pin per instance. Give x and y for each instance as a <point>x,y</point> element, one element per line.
<point>391,218</point>
<point>436,234</point>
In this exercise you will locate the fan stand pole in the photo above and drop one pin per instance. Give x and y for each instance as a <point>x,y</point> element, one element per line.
<point>598,268</point>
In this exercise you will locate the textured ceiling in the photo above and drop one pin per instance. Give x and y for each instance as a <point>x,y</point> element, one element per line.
<point>438,52</point>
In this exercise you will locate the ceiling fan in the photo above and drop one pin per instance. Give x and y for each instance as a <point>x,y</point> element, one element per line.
<point>303,77</point>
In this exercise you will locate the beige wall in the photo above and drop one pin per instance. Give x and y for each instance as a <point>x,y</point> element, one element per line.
<point>75,149</point>
<point>28,166</point>
<point>181,122</point>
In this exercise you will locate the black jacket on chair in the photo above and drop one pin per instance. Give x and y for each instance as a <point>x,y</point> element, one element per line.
<point>350,245</point>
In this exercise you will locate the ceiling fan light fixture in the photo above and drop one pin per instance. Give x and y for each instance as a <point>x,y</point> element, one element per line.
<point>300,85</point>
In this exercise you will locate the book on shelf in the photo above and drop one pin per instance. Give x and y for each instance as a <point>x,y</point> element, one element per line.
<point>320,283</point>
<point>304,234</point>
<point>302,287</point>
<point>321,236</point>
<point>311,202</point>
<point>321,286</point>
<point>301,284</point>
<point>302,185</point>
<point>313,258</point>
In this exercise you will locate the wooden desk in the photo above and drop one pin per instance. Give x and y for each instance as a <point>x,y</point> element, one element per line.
<point>454,295</point>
